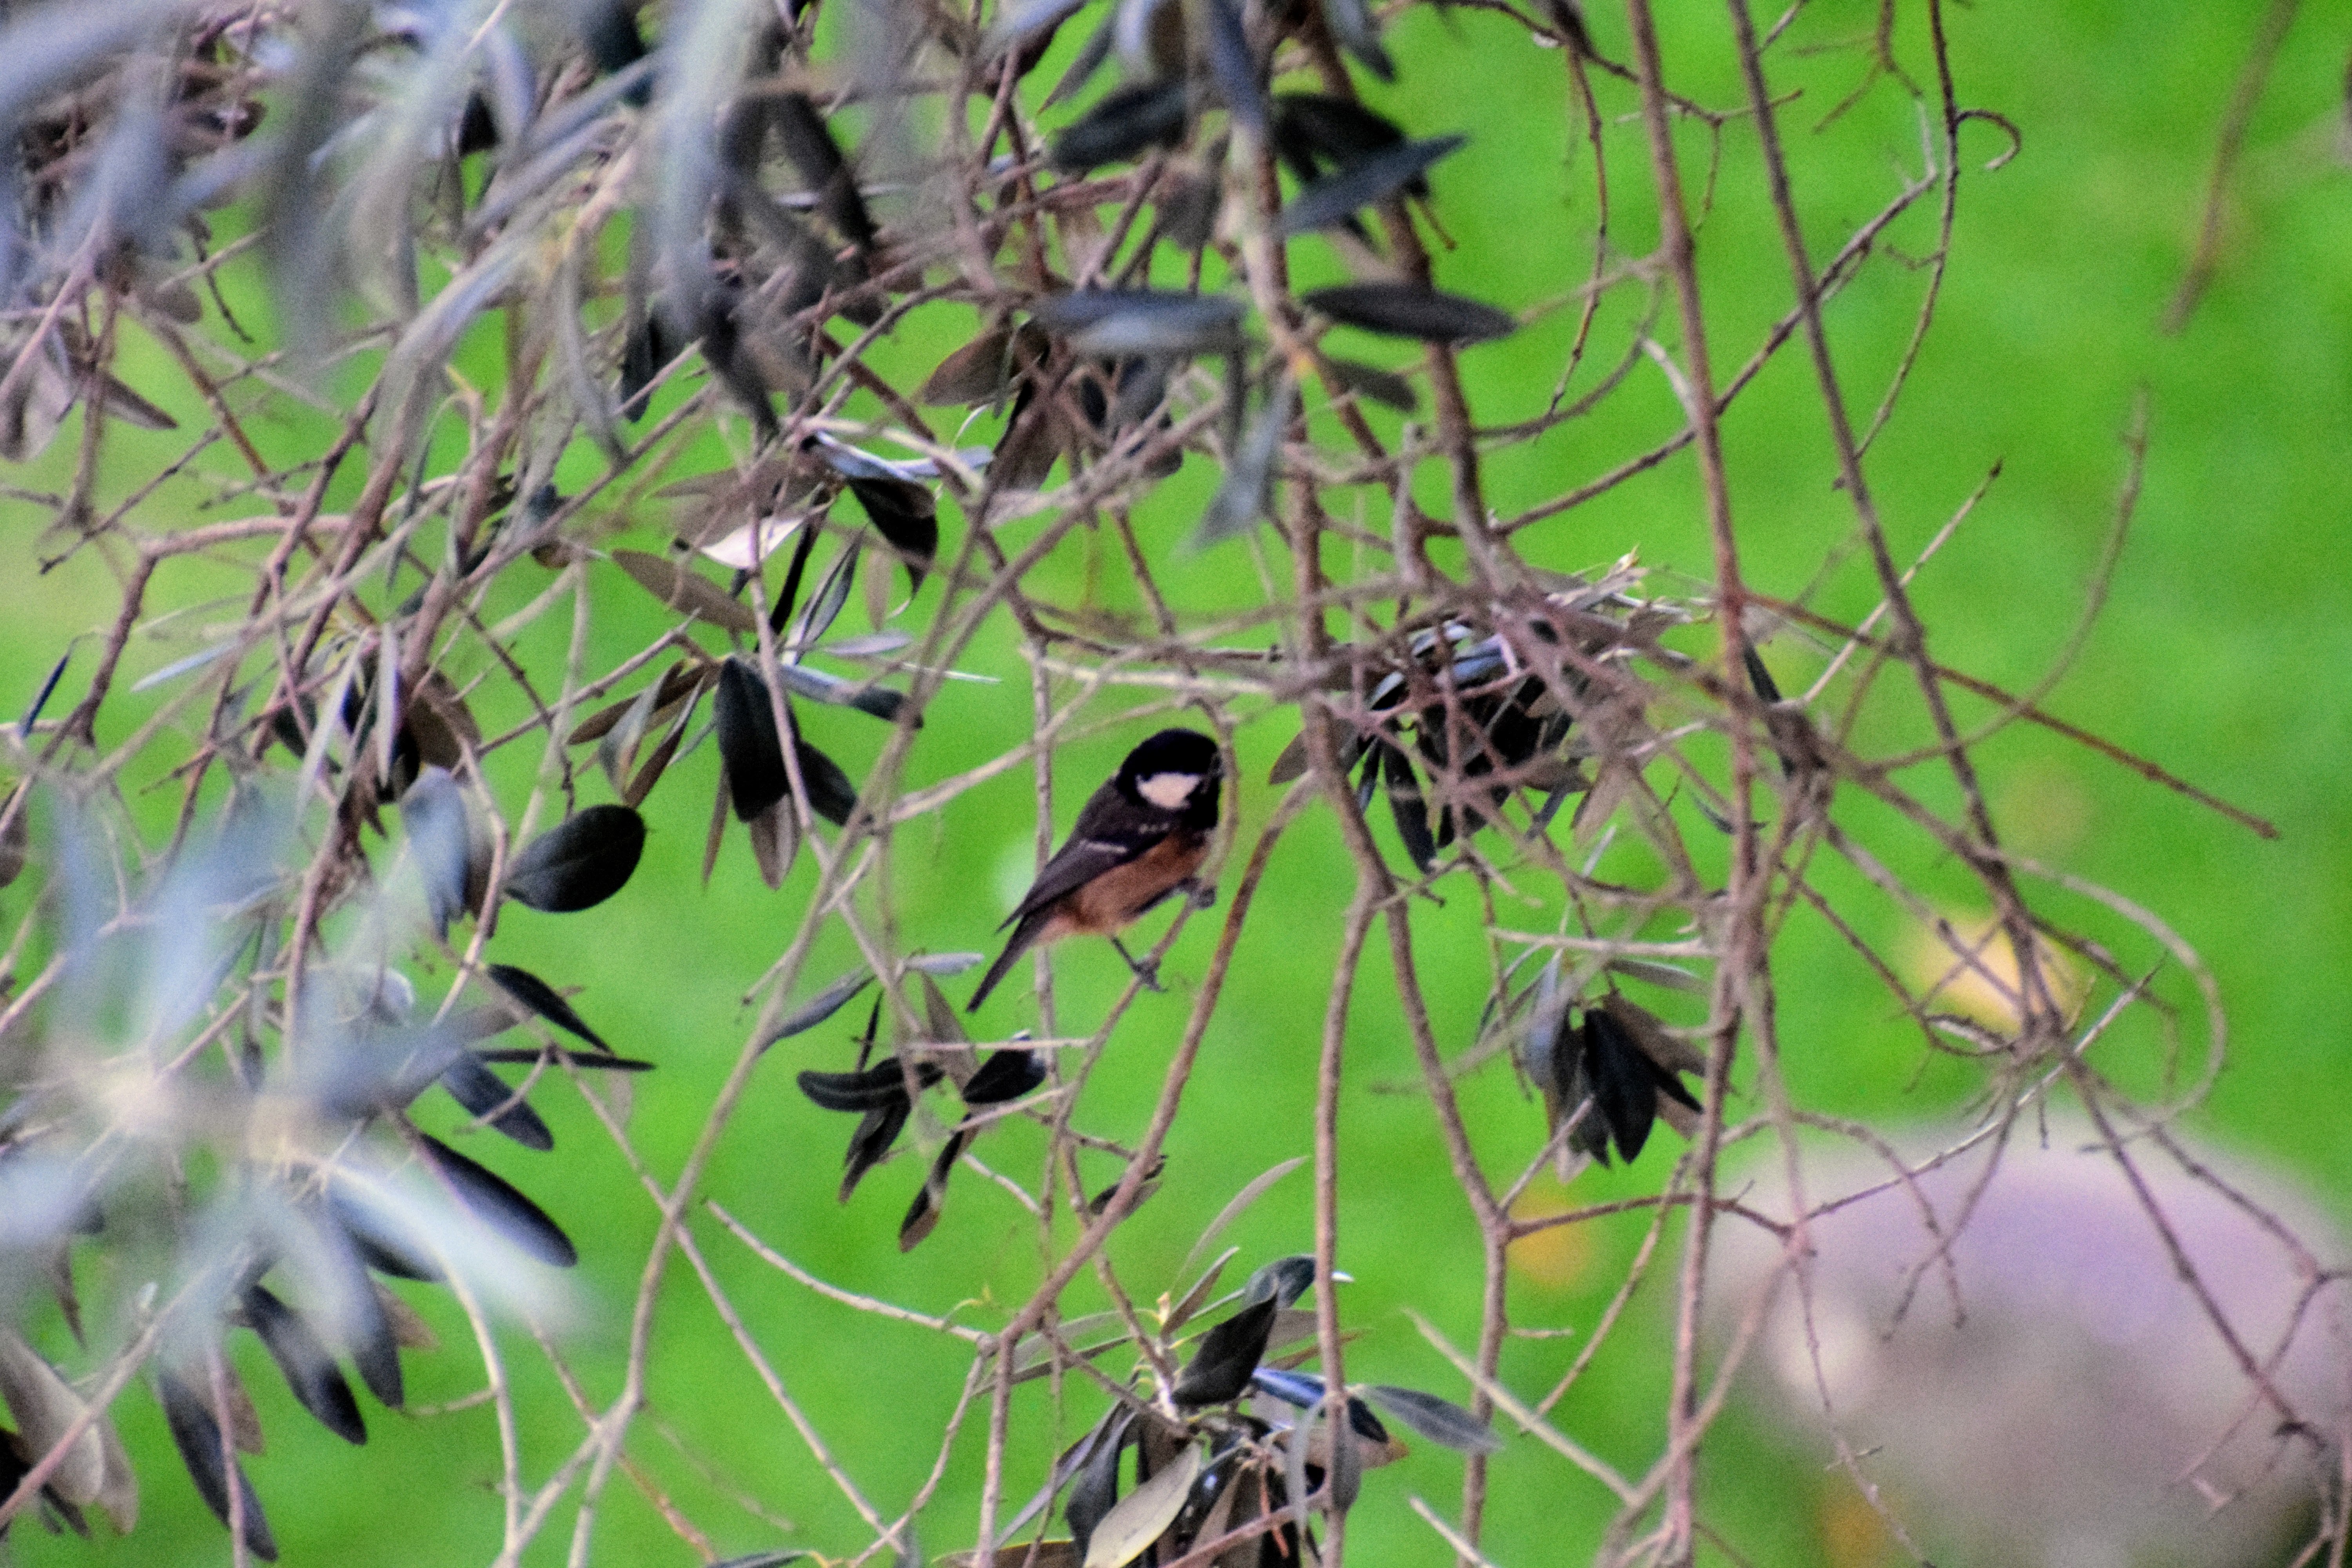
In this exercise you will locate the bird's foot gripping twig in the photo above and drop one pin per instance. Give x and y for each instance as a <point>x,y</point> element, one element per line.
<point>1147,973</point>
<point>1202,894</point>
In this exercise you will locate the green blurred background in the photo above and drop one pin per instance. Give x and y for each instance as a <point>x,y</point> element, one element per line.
<point>2221,655</point>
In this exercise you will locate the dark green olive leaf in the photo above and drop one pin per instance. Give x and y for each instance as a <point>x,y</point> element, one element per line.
<point>1351,22</point>
<point>48,689</point>
<point>1670,977</point>
<point>646,350</point>
<point>494,1201</point>
<point>1668,1051</point>
<point>876,1133</point>
<point>1291,763</point>
<point>1759,675</point>
<point>1299,1390</point>
<point>1088,62</point>
<point>1123,123</point>
<point>687,592</point>
<point>1220,1370</point>
<point>1144,1515</point>
<point>1118,398</point>
<point>1409,808</point>
<point>123,403</point>
<point>820,1006</point>
<point>1373,178</point>
<point>748,743</point>
<point>1233,69</point>
<point>684,677</point>
<point>609,30</point>
<point>377,1240</point>
<point>484,1093</point>
<point>1144,1190</point>
<point>1187,200</point>
<point>434,813</point>
<point>1305,1391</point>
<point>940,1024</point>
<point>906,515</point>
<point>341,1262</point>
<point>1239,1204</point>
<point>876,1085</point>
<point>47,1408</point>
<point>780,614</point>
<point>543,999</point>
<point>761,1560</point>
<point>581,863</point>
<point>742,136</point>
<point>1210,1506</point>
<point>568,1059</point>
<point>1113,323</point>
<point>740,368</point>
<point>984,369</point>
<point>810,145</point>
<point>1368,779</point>
<point>923,1213</point>
<point>1371,381</point>
<point>857,463</point>
<point>832,593</point>
<point>1410,311</point>
<point>775,837</point>
<point>1624,1082</point>
<point>1284,1280</point>
<point>1035,435</point>
<point>1188,1306</point>
<point>1658,1057</point>
<point>198,1436</point>
<point>649,773</point>
<point>1439,1420</point>
<point>304,1362</point>
<point>1018,21</point>
<point>1248,487</point>
<point>832,793</point>
<point>618,755</point>
<point>1094,1490</point>
<point>1006,1075</point>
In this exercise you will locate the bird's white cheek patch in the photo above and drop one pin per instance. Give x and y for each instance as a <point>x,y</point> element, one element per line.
<point>1169,792</point>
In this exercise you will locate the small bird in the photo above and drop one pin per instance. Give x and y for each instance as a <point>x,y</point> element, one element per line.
<point>1139,839</point>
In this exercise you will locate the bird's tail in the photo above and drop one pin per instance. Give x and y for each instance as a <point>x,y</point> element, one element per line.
<point>1023,937</point>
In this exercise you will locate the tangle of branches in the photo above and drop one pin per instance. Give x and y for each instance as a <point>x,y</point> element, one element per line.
<point>496,408</point>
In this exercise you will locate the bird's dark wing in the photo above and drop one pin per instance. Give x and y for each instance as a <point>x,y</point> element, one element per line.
<point>1076,864</point>
<point>1111,830</point>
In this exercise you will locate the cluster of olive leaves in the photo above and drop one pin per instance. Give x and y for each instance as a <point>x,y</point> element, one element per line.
<point>326,1183</point>
<point>1244,1439</point>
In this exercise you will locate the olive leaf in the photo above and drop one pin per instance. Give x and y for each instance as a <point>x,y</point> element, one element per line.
<point>581,863</point>
<point>543,999</point>
<point>197,1435</point>
<point>493,1200</point>
<point>1144,1515</point>
<point>686,591</point>
<point>484,1093</point>
<point>1439,1420</point>
<point>1336,196</point>
<point>1112,323</point>
<point>1410,311</point>
<point>1125,121</point>
<point>820,1006</point>
<point>1220,1370</point>
<point>304,1362</point>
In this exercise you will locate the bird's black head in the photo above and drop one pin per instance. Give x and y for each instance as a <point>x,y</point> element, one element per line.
<point>1176,769</point>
